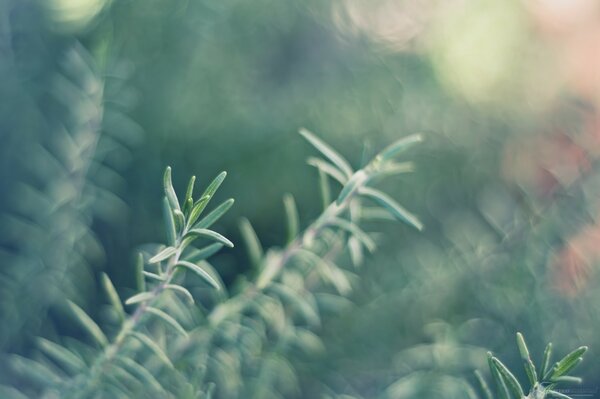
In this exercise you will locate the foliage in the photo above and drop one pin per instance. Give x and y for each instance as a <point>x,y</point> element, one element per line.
<point>98,96</point>
<point>543,380</point>
<point>279,311</point>
<point>50,206</point>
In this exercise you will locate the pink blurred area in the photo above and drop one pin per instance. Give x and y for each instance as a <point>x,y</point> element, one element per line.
<point>572,29</point>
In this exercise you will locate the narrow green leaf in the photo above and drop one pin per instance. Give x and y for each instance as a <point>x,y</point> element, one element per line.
<point>189,193</point>
<point>162,255</point>
<point>325,189</point>
<point>113,297</point>
<point>568,379</point>
<point>399,146</point>
<point>553,394</point>
<point>69,361</point>
<point>34,371</point>
<point>355,249</point>
<point>546,359</point>
<point>329,152</point>
<point>291,213</point>
<point>187,207</point>
<point>328,169</point>
<point>487,392</point>
<point>352,185</point>
<point>140,373</point>
<point>270,268</point>
<point>181,290</point>
<point>167,319</point>
<point>564,369</point>
<point>392,206</point>
<point>208,268</point>
<point>530,371</point>
<point>179,220</point>
<point>213,235</point>
<point>169,190</point>
<point>253,245</point>
<point>568,362</point>
<point>395,168</point>
<point>328,270</point>
<point>210,390</point>
<point>215,215</point>
<point>522,347</point>
<point>504,393</point>
<point>150,344</point>
<point>141,297</point>
<point>509,379</point>
<point>118,383</point>
<point>215,184</point>
<point>372,213</point>
<point>122,383</point>
<point>528,364</point>
<point>139,273</point>
<point>337,277</point>
<point>197,210</point>
<point>200,271</point>
<point>169,222</point>
<point>197,255</point>
<point>153,276</point>
<point>300,302</point>
<point>356,231</point>
<point>88,324</point>
<point>205,198</point>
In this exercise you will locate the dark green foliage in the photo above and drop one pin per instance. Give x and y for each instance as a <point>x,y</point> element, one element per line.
<point>52,206</point>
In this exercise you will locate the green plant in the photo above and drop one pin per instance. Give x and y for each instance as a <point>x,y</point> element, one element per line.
<point>51,205</point>
<point>543,380</point>
<point>167,347</point>
<point>70,179</point>
<point>114,357</point>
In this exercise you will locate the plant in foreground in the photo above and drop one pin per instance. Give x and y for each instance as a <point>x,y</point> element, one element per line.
<point>153,354</point>
<point>543,380</point>
<point>115,358</point>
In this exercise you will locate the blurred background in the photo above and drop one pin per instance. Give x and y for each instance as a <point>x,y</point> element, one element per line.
<point>98,96</point>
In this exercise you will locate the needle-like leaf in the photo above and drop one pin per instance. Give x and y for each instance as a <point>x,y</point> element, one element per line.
<point>141,297</point>
<point>212,235</point>
<point>169,191</point>
<point>329,152</point>
<point>253,245</point>
<point>111,292</point>
<point>62,355</point>
<point>392,206</point>
<point>167,319</point>
<point>399,146</point>
<point>162,255</point>
<point>291,213</point>
<point>200,271</point>
<point>180,290</point>
<point>528,364</point>
<point>88,324</point>
<point>150,344</point>
<point>215,215</point>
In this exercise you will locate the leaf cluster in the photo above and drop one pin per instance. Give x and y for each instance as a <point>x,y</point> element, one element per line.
<point>543,380</point>
<point>275,317</point>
